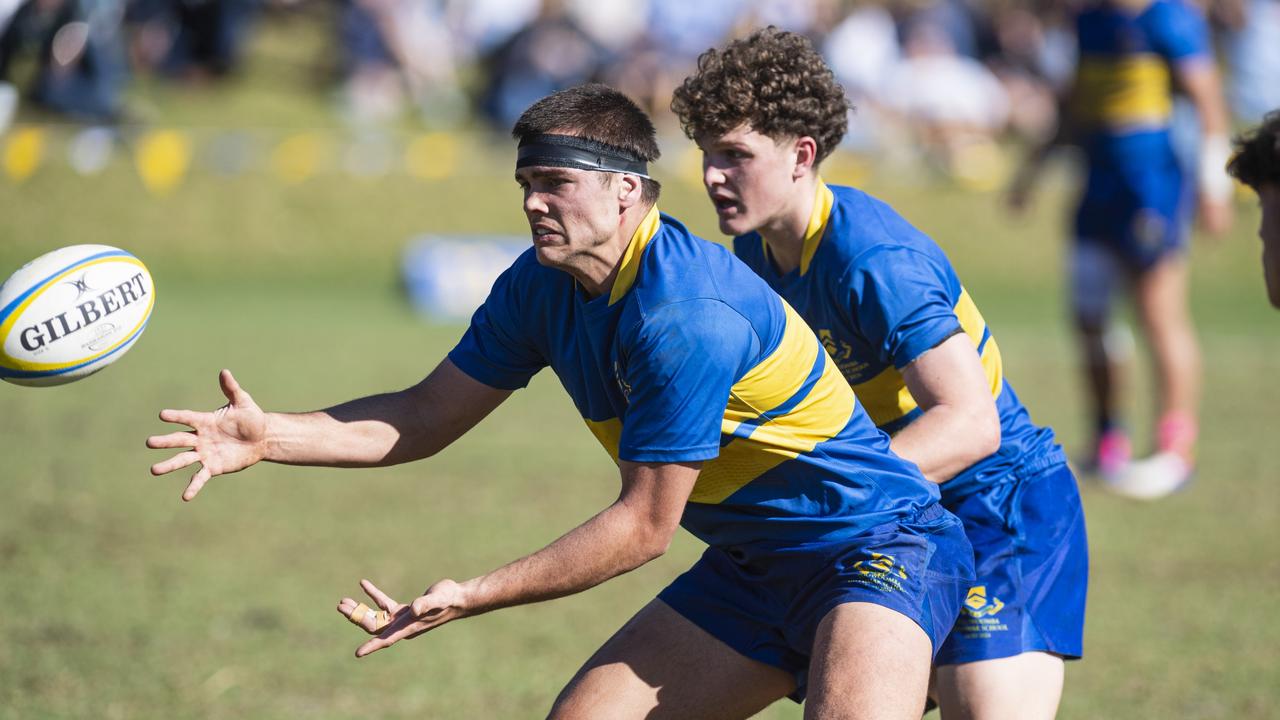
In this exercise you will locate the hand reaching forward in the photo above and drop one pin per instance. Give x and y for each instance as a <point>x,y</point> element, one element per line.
<point>395,622</point>
<point>224,441</point>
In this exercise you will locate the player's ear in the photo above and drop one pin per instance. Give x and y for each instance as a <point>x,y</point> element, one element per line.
<point>629,190</point>
<point>806,149</point>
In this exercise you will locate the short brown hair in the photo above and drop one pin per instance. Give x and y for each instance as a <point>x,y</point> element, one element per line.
<point>600,113</point>
<point>772,80</point>
<point>1257,158</point>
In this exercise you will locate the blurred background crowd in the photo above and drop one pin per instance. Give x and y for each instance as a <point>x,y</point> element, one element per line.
<point>940,79</point>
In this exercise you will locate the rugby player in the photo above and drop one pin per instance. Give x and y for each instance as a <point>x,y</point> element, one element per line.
<point>833,572</point>
<point>907,337</point>
<point>1256,163</point>
<point>1131,224</point>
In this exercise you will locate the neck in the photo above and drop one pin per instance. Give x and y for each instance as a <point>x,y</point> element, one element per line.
<point>784,233</point>
<point>599,270</point>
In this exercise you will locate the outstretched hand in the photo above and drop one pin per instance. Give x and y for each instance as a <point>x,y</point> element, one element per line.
<point>224,441</point>
<point>441,603</point>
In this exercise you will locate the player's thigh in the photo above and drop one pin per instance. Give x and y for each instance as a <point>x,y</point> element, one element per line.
<point>1161,293</point>
<point>660,665</point>
<point>868,661</point>
<point>1097,275</point>
<point>1022,687</point>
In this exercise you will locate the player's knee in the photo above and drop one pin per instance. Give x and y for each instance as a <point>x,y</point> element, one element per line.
<point>1023,687</point>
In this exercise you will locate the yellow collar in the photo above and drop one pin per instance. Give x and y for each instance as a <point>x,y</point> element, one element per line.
<point>649,227</point>
<point>823,201</point>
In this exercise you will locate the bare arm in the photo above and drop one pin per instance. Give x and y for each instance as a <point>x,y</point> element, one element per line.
<point>1203,86</point>
<point>386,429</point>
<point>635,529</point>
<point>960,425</point>
<point>374,431</point>
<point>1027,176</point>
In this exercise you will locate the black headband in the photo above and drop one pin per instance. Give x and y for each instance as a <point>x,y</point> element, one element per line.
<point>569,151</point>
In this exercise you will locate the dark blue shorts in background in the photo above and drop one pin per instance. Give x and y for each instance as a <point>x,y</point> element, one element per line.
<point>766,600</point>
<point>1032,560</point>
<point>1139,208</point>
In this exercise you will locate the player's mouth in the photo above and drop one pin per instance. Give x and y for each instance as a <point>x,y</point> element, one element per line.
<point>726,207</point>
<point>544,236</point>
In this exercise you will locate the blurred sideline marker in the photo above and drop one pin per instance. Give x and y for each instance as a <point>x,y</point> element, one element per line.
<point>448,277</point>
<point>23,153</point>
<point>163,158</point>
<point>369,157</point>
<point>298,157</point>
<point>89,152</point>
<point>432,156</point>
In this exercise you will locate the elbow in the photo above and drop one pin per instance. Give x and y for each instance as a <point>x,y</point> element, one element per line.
<point>986,433</point>
<point>651,543</point>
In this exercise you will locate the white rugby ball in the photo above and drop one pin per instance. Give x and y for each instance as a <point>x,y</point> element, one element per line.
<point>69,313</point>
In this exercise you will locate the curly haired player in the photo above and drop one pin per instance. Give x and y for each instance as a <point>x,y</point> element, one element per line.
<point>1256,163</point>
<point>908,338</point>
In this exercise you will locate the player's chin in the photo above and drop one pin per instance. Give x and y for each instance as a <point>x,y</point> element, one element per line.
<point>551,256</point>
<point>734,223</point>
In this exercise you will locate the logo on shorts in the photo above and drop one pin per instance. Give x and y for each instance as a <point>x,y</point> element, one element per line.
<point>1149,229</point>
<point>881,571</point>
<point>977,604</point>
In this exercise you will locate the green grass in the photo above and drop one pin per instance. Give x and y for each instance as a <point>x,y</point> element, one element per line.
<point>121,602</point>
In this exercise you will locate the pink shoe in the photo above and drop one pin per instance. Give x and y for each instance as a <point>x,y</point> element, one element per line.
<point>1112,453</point>
<point>1153,478</point>
<point>1176,433</point>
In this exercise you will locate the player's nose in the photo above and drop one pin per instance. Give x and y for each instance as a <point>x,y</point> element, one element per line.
<point>712,176</point>
<point>534,204</point>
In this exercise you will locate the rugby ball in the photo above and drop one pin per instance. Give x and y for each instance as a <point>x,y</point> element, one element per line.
<point>69,313</point>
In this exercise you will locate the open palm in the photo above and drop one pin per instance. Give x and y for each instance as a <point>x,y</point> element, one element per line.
<point>224,441</point>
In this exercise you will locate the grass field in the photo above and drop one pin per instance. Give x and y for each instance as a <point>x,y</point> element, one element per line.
<point>121,602</point>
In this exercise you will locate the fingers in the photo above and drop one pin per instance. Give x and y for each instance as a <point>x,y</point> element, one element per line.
<point>384,601</point>
<point>371,621</point>
<point>232,389</point>
<point>197,481</point>
<point>426,607</point>
<point>177,462</point>
<point>402,627</point>
<point>172,440</point>
<point>182,417</point>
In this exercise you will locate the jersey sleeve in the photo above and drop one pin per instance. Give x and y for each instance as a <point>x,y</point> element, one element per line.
<point>681,363</point>
<point>1181,33</point>
<point>497,348</point>
<point>901,303</point>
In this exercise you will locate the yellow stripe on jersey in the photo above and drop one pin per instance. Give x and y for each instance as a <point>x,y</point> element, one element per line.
<point>824,201</point>
<point>817,224</point>
<point>608,433</point>
<point>822,412</point>
<point>649,227</point>
<point>886,397</point>
<point>818,415</point>
<point>975,327</point>
<point>1124,91</point>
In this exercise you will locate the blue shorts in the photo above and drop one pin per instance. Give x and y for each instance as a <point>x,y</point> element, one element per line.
<point>765,600</point>
<point>1136,203</point>
<point>1032,560</point>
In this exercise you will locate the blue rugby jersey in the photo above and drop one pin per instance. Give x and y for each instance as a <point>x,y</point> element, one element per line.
<point>692,358</point>
<point>879,293</point>
<point>1123,95</point>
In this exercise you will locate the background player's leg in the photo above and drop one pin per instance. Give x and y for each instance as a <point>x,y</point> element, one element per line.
<point>660,665</point>
<point>868,661</point>
<point>1022,687</point>
<point>1095,273</point>
<point>1162,304</point>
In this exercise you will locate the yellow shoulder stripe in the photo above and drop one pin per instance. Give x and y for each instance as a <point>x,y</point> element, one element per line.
<point>649,227</point>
